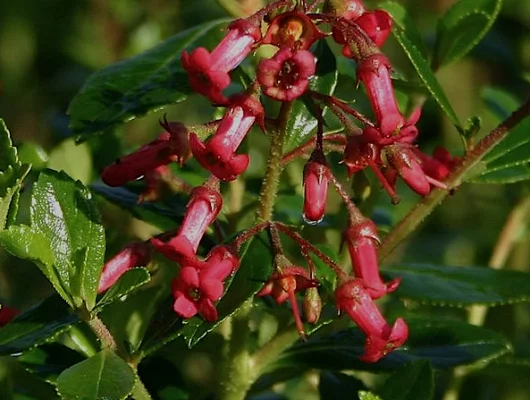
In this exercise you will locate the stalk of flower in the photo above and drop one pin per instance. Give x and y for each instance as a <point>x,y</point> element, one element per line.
<point>353,298</point>
<point>202,209</point>
<point>218,155</point>
<point>133,255</point>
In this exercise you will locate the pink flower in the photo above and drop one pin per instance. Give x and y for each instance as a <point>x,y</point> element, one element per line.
<point>133,255</point>
<point>377,24</point>
<point>170,146</point>
<point>374,72</point>
<point>353,298</point>
<point>316,180</point>
<point>292,29</point>
<point>362,241</point>
<point>202,209</point>
<point>208,72</point>
<point>285,76</point>
<point>419,171</point>
<point>359,154</point>
<point>201,283</point>
<point>283,285</point>
<point>218,155</point>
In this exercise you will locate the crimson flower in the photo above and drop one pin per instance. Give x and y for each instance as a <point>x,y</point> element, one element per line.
<point>353,298</point>
<point>292,29</point>
<point>133,255</point>
<point>362,241</point>
<point>172,145</point>
<point>201,283</point>
<point>285,76</point>
<point>374,73</point>
<point>377,24</point>
<point>7,314</point>
<point>208,72</point>
<point>284,284</point>
<point>218,155</point>
<point>202,209</point>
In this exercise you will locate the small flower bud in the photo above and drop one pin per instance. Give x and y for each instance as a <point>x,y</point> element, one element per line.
<point>312,305</point>
<point>316,181</point>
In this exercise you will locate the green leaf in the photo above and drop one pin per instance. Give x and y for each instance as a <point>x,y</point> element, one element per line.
<point>63,211</point>
<point>409,38</point>
<point>302,124</point>
<point>40,324</point>
<point>104,376</point>
<point>12,173</point>
<point>368,396</point>
<point>333,385</point>
<point>254,270</point>
<point>28,244</point>
<point>445,343</point>
<point>66,239</point>
<point>164,214</point>
<point>136,86</point>
<point>128,282</point>
<point>49,360</point>
<point>509,160</point>
<point>462,27</point>
<point>414,381</point>
<point>460,286</point>
<point>503,176</point>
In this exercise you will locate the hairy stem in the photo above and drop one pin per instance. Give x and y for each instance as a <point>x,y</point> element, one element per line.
<point>140,392</point>
<point>240,370</point>
<point>416,216</point>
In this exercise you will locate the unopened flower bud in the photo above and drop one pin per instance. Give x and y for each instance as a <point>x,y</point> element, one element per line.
<point>316,181</point>
<point>312,305</point>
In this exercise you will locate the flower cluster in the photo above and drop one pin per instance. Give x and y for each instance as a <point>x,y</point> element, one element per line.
<point>385,145</point>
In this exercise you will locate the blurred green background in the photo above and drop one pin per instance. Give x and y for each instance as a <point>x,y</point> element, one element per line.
<point>48,48</point>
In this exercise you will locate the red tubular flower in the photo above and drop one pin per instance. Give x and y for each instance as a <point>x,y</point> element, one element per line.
<point>417,169</point>
<point>202,209</point>
<point>218,155</point>
<point>292,29</point>
<point>374,72</point>
<point>353,298</point>
<point>170,146</point>
<point>7,314</point>
<point>285,76</point>
<point>208,72</point>
<point>201,283</point>
<point>362,241</point>
<point>377,24</point>
<point>283,285</point>
<point>316,180</point>
<point>133,255</point>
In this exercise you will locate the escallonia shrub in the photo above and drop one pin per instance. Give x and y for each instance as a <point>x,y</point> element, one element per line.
<point>225,277</point>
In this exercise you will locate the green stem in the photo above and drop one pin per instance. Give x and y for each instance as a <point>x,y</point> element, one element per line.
<point>140,392</point>
<point>102,333</point>
<point>239,370</point>
<point>269,188</point>
<point>416,216</point>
